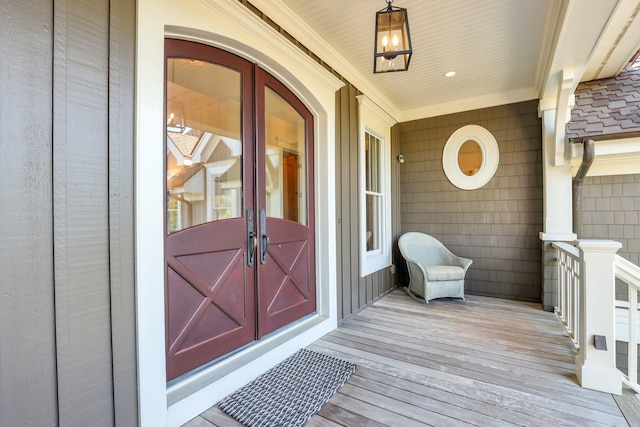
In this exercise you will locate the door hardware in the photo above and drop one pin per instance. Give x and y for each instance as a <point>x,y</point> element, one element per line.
<point>252,242</point>
<point>264,238</point>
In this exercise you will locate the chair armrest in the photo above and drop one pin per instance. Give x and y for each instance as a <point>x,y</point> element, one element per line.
<point>465,263</point>
<point>416,271</point>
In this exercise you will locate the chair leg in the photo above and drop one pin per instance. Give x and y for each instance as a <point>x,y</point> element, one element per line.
<point>415,297</point>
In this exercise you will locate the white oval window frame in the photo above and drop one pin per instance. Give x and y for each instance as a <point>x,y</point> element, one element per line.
<point>490,157</point>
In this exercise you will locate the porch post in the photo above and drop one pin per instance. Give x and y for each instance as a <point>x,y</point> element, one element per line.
<point>557,190</point>
<point>596,369</point>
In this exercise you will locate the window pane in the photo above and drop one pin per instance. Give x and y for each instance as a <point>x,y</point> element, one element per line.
<point>285,157</point>
<point>373,222</point>
<point>372,185</point>
<point>204,143</point>
<point>372,163</point>
<point>470,158</point>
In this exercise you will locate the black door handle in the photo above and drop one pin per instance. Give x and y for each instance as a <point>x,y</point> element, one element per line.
<point>252,242</point>
<point>264,238</point>
<point>265,244</point>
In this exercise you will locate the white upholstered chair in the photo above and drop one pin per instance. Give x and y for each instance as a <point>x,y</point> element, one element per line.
<point>434,272</point>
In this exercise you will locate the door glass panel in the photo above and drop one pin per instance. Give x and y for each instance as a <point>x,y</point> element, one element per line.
<point>285,157</point>
<point>204,143</point>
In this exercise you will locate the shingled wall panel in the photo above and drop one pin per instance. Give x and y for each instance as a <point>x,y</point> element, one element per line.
<point>497,225</point>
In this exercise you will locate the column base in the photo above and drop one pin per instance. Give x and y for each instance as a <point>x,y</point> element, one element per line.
<point>599,378</point>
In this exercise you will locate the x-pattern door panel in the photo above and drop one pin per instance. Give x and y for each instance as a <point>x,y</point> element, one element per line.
<point>287,288</point>
<point>211,296</point>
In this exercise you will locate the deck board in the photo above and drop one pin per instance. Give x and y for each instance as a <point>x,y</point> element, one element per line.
<point>483,362</point>
<point>629,403</point>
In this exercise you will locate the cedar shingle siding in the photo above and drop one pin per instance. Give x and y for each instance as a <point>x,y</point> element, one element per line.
<point>497,225</point>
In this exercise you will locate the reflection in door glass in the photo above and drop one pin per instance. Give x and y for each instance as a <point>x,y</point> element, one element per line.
<point>204,143</point>
<point>286,174</point>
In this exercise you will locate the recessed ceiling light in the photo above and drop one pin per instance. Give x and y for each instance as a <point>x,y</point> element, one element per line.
<point>450,74</point>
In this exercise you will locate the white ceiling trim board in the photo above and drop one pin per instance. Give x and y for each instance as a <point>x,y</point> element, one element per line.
<point>555,19</point>
<point>470,104</point>
<point>624,47</point>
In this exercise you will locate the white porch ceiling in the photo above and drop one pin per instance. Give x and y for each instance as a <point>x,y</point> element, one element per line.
<point>501,50</point>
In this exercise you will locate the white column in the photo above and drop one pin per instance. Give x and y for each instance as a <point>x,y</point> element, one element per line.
<point>557,192</point>
<point>557,179</point>
<point>596,369</point>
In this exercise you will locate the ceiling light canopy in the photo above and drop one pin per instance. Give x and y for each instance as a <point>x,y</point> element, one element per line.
<point>393,41</point>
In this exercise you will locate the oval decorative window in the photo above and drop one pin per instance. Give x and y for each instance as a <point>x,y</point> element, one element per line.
<point>470,157</point>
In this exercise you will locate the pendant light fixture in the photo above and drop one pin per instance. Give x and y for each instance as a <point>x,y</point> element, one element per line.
<point>393,41</point>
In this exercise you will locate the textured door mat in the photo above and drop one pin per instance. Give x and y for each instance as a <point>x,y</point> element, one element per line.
<point>289,393</point>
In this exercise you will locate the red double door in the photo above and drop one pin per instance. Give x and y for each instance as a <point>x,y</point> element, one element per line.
<point>240,259</point>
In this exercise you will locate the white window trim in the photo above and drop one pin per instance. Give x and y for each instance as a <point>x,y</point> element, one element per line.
<point>375,121</point>
<point>490,157</point>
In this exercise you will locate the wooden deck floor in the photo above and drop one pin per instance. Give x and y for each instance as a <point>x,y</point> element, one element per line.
<point>485,362</point>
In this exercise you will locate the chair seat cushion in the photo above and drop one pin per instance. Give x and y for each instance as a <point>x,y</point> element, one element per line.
<point>440,273</point>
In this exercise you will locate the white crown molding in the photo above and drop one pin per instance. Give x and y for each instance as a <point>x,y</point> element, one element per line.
<point>287,19</point>
<point>260,32</point>
<point>469,104</point>
<point>375,111</point>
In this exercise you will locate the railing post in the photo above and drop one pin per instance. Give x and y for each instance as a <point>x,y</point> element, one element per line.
<point>596,369</point>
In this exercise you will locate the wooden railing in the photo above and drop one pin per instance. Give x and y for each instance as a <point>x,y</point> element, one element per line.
<point>586,306</point>
<point>629,273</point>
<point>568,285</point>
